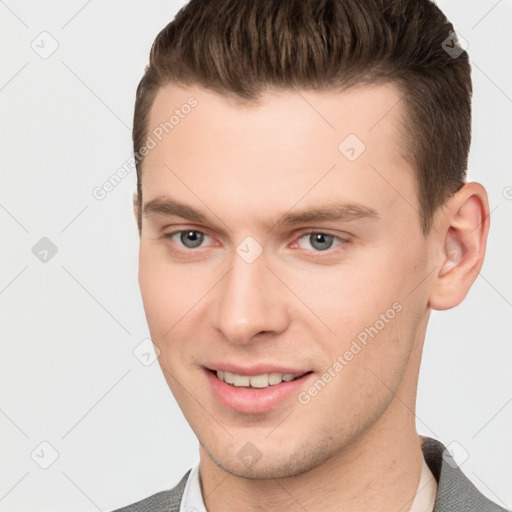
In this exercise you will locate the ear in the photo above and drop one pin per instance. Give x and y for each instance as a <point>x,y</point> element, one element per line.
<point>135,199</point>
<point>463,225</point>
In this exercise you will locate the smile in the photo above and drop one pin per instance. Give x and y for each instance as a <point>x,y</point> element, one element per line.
<point>256,381</point>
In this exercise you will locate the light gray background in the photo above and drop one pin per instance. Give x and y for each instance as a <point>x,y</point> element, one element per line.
<point>69,326</point>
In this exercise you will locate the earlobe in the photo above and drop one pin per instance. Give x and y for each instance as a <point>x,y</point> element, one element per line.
<point>464,225</point>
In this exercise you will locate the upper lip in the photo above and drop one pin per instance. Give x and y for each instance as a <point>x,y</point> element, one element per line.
<point>254,369</point>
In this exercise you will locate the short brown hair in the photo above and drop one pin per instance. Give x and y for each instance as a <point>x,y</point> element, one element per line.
<point>240,47</point>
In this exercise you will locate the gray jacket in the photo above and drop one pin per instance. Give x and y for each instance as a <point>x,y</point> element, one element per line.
<point>455,493</point>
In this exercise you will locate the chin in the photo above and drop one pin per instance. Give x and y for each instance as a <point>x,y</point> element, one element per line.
<point>250,463</point>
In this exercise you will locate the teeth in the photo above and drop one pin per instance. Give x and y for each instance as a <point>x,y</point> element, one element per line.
<point>256,381</point>
<point>241,380</point>
<point>228,377</point>
<point>259,381</point>
<point>274,378</point>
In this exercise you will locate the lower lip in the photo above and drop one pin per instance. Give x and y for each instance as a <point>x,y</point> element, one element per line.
<point>254,400</point>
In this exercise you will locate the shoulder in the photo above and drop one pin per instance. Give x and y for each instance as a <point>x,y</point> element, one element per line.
<point>165,501</point>
<point>455,492</point>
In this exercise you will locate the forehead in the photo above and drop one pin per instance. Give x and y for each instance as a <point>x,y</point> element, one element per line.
<point>369,111</point>
<point>345,144</point>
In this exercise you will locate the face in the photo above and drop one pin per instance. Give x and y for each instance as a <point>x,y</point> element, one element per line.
<point>282,240</point>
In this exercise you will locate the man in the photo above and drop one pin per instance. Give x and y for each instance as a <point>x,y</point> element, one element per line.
<point>302,206</point>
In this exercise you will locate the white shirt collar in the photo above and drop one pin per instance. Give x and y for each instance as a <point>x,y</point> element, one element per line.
<point>192,500</point>
<point>425,498</point>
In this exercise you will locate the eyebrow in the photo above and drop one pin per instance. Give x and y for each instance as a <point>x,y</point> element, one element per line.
<point>346,212</point>
<point>334,212</point>
<point>169,207</point>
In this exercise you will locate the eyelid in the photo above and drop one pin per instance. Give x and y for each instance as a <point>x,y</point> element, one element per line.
<point>311,231</point>
<point>185,228</point>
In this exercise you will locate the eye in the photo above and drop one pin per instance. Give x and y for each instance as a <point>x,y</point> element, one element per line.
<point>319,241</point>
<point>189,238</point>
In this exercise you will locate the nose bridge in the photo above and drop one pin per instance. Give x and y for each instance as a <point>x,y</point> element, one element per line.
<point>247,302</point>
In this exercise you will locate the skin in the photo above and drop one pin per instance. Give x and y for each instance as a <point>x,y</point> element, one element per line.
<point>354,446</point>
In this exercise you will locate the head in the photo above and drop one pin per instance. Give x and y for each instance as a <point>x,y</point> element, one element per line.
<point>302,205</point>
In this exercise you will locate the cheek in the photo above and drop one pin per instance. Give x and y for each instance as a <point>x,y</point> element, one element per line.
<point>378,328</point>
<point>164,292</point>
<point>174,298</point>
<point>364,312</point>
<point>348,298</point>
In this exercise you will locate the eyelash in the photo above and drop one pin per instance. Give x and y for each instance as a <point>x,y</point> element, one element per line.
<point>341,241</point>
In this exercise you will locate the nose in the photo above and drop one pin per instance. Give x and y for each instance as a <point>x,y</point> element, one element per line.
<point>249,301</point>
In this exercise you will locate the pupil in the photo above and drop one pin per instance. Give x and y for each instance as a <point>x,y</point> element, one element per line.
<point>321,241</point>
<point>191,239</point>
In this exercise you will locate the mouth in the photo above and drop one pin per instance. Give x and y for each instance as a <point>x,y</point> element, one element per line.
<point>258,389</point>
<point>260,381</point>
